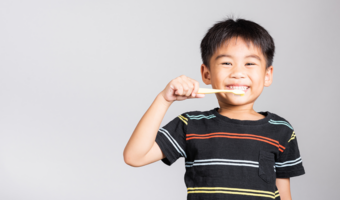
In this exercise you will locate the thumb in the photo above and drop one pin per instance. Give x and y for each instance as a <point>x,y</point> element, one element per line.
<point>200,95</point>
<point>197,96</point>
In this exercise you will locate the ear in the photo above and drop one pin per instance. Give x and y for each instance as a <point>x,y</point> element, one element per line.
<point>268,76</point>
<point>205,72</point>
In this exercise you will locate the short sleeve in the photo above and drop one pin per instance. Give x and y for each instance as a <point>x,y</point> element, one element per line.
<point>289,162</point>
<point>171,139</point>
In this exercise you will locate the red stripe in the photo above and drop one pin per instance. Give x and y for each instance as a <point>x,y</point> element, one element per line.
<point>251,136</point>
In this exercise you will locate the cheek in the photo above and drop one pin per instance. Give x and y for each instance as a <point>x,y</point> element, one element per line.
<point>257,79</point>
<point>218,78</point>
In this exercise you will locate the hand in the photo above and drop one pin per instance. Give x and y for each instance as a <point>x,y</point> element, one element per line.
<point>181,88</point>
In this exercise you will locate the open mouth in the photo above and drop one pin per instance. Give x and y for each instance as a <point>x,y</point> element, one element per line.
<point>237,87</point>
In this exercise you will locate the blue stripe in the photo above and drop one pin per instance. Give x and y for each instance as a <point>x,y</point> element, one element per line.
<point>197,117</point>
<point>201,118</point>
<point>280,123</point>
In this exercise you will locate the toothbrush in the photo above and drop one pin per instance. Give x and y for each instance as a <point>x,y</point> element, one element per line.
<point>211,91</point>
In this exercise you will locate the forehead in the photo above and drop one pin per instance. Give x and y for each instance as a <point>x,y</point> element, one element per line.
<point>238,47</point>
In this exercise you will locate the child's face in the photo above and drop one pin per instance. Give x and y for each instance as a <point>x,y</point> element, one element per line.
<point>235,65</point>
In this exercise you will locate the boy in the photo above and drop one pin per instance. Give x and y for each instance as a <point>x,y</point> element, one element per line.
<point>231,152</point>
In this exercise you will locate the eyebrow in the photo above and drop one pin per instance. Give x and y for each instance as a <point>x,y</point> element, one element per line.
<point>229,56</point>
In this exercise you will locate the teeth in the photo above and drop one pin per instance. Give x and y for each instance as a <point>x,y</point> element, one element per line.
<point>238,87</point>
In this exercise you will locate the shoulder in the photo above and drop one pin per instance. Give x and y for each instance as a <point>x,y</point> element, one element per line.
<point>282,127</point>
<point>276,119</point>
<point>198,114</point>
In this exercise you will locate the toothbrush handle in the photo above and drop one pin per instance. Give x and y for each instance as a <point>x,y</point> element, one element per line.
<point>209,91</point>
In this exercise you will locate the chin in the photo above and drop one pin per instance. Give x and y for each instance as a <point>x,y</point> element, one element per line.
<point>238,103</point>
<point>235,102</point>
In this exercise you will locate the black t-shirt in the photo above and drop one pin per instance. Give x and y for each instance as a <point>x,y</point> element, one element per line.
<point>229,158</point>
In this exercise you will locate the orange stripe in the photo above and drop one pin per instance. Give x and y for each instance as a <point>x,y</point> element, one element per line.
<point>252,137</point>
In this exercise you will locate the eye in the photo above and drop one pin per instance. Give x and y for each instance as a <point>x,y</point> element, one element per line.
<point>227,63</point>
<point>250,64</point>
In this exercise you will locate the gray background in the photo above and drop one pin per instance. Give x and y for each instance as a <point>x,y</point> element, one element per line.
<point>77,76</point>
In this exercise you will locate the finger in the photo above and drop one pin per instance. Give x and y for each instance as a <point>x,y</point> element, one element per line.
<point>190,83</point>
<point>177,88</point>
<point>182,85</point>
<point>198,96</point>
<point>172,88</point>
<point>190,88</point>
<point>186,88</point>
<point>179,98</point>
<point>196,87</point>
<point>186,85</point>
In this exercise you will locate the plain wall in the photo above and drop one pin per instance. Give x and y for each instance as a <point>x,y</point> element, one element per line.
<point>77,76</point>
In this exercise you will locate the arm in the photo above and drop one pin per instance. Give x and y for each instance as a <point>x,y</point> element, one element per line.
<point>142,149</point>
<point>283,185</point>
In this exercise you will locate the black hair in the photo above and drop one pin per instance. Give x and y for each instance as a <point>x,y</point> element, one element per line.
<point>227,29</point>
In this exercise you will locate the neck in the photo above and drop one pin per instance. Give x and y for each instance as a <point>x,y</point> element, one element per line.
<point>242,112</point>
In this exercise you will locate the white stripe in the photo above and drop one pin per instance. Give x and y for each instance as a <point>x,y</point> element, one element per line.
<point>228,160</point>
<point>249,165</point>
<point>167,134</point>
<point>289,161</point>
<point>289,164</point>
<point>171,142</point>
<point>223,162</point>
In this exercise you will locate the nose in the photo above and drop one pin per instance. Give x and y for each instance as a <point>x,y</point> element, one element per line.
<point>237,73</point>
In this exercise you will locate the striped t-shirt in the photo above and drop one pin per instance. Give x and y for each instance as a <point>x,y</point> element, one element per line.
<point>231,159</point>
